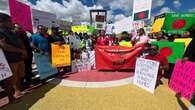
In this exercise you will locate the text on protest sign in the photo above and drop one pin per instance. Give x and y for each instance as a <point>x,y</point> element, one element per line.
<point>61,55</point>
<point>146,74</point>
<point>183,79</point>
<point>5,71</point>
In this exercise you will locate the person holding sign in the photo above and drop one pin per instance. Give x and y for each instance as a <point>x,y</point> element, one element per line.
<point>190,53</point>
<point>155,55</point>
<point>14,53</point>
<point>102,40</point>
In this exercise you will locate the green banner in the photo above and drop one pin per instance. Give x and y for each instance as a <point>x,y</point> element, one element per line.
<point>171,50</point>
<point>177,23</point>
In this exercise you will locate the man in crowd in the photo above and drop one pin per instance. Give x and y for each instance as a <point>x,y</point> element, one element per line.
<point>40,42</point>
<point>190,53</point>
<point>102,40</point>
<point>28,60</point>
<point>141,37</point>
<point>14,52</point>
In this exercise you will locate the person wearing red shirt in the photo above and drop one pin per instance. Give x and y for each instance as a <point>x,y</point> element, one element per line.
<point>102,40</point>
<point>156,56</point>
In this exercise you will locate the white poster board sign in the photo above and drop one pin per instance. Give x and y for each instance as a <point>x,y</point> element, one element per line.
<point>146,74</point>
<point>5,71</point>
<point>43,18</point>
<point>123,25</point>
<point>140,6</point>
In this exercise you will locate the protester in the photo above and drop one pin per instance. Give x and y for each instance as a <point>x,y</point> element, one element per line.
<point>14,53</point>
<point>190,53</point>
<point>40,41</point>
<point>155,55</point>
<point>28,60</point>
<point>141,37</point>
<point>102,40</point>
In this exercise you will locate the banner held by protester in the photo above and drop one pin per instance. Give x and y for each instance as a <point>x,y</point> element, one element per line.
<point>44,66</point>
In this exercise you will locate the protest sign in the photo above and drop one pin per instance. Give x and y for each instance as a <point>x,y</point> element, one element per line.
<point>80,66</point>
<point>60,55</point>
<point>183,79</point>
<point>184,40</point>
<point>79,28</point>
<point>141,9</point>
<point>146,72</point>
<point>177,23</point>
<point>116,57</point>
<point>21,14</point>
<point>5,71</point>
<point>122,25</point>
<point>172,50</point>
<point>43,18</point>
<point>44,65</point>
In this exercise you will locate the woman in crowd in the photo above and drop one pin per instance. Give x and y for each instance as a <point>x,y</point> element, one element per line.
<point>14,52</point>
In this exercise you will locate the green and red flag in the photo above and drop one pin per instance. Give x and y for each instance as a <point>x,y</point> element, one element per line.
<point>172,50</point>
<point>141,15</point>
<point>177,23</point>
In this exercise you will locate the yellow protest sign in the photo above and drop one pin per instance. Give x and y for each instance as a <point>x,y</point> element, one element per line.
<point>158,24</point>
<point>60,55</point>
<point>125,44</point>
<point>185,40</point>
<point>81,28</point>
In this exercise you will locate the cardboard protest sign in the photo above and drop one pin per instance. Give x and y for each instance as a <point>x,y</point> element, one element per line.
<point>44,66</point>
<point>177,23</point>
<point>183,79</point>
<point>172,50</point>
<point>146,72</point>
<point>21,14</point>
<point>184,40</point>
<point>60,55</point>
<point>141,9</point>
<point>5,71</point>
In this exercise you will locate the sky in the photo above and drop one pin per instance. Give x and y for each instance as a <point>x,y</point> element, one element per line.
<point>116,9</point>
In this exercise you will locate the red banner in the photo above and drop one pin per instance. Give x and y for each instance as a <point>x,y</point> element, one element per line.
<point>116,57</point>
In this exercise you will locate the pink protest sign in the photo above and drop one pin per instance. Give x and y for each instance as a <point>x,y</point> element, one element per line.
<point>183,79</point>
<point>21,14</point>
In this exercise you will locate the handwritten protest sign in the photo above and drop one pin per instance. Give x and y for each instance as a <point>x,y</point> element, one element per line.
<point>5,71</point>
<point>146,74</point>
<point>61,55</point>
<point>44,65</point>
<point>21,14</point>
<point>183,79</point>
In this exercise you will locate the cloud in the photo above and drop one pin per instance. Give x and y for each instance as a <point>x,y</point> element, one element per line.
<point>126,5</point>
<point>119,17</point>
<point>192,10</point>
<point>157,3</point>
<point>177,3</point>
<point>164,10</point>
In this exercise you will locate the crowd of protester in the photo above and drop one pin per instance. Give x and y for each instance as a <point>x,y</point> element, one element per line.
<point>19,47</point>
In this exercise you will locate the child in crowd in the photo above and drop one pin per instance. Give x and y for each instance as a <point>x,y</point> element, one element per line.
<point>155,55</point>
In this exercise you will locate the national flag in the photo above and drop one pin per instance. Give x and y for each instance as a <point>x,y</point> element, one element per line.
<point>141,15</point>
<point>172,50</point>
<point>177,23</point>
